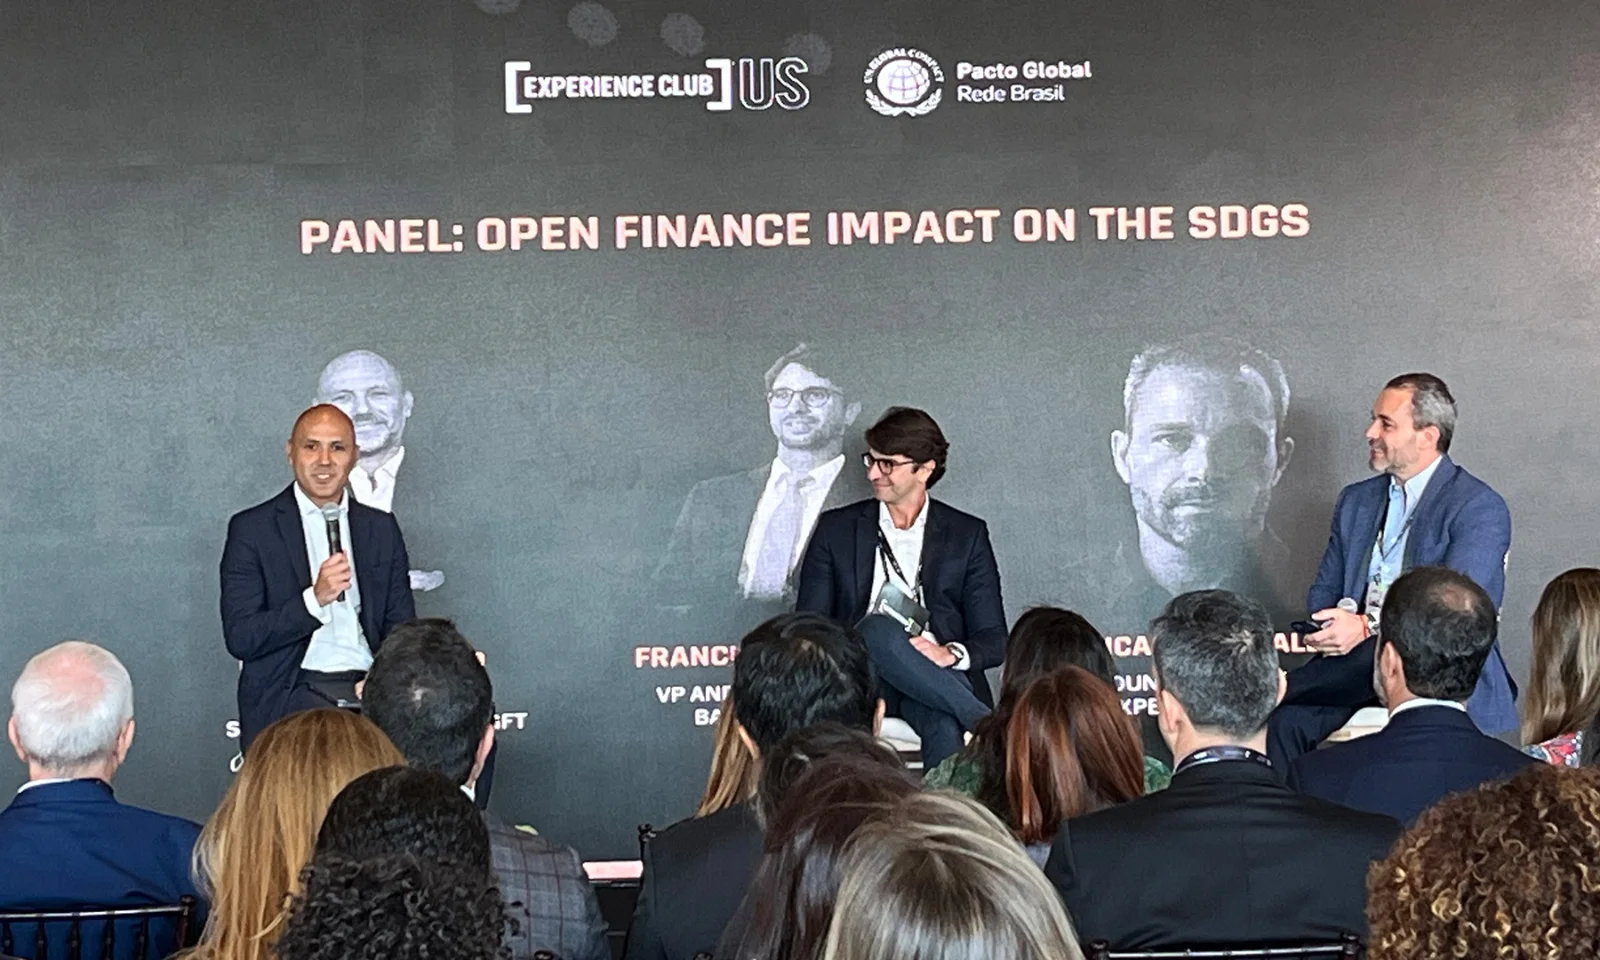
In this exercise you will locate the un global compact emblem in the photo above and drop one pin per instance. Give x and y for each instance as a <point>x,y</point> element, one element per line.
<point>904,83</point>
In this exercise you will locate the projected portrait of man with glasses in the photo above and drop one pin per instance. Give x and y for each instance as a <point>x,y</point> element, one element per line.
<point>740,536</point>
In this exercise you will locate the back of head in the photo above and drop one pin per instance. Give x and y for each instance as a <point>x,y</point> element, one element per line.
<point>1442,626</point>
<point>429,693</point>
<point>1564,672</point>
<point>798,669</point>
<point>1506,870</point>
<point>791,898</point>
<point>912,433</point>
<point>1045,639</point>
<point>1214,654</point>
<point>939,878</point>
<point>403,811</point>
<point>70,706</point>
<point>394,907</point>
<point>795,755</point>
<point>1070,750</point>
<point>251,851</point>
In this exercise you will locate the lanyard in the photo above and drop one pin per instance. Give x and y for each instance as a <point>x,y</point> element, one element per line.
<point>886,557</point>
<point>1218,754</point>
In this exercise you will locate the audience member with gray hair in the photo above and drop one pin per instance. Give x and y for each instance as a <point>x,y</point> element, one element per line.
<point>1293,867</point>
<point>65,839</point>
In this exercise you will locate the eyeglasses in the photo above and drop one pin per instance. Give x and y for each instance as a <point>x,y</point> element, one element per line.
<point>813,396</point>
<point>886,465</point>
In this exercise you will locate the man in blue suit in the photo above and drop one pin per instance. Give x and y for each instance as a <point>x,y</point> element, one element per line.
<point>1422,511</point>
<point>902,544</point>
<point>65,840</point>
<point>1438,628</point>
<point>304,641</point>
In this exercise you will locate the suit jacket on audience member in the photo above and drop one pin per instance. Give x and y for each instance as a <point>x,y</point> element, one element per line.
<point>696,873</point>
<point>1225,855</point>
<point>72,844</point>
<point>265,572</point>
<point>1422,755</point>
<point>960,580</point>
<point>548,894</point>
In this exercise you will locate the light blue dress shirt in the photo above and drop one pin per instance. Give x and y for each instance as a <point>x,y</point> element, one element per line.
<point>1389,550</point>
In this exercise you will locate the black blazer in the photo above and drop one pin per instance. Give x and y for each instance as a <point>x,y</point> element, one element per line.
<point>264,573</point>
<point>1422,755</point>
<point>960,580</point>
<point>696,873</point>
<point>1225,855</point>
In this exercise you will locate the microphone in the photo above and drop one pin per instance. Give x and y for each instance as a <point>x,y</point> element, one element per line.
<point>330,513</point>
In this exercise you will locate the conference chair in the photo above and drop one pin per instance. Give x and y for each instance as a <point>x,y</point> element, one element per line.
<point>48,926</point>
<point>1347,947</point>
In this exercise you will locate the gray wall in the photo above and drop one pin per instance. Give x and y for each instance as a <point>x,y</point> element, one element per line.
<point>162,329</point>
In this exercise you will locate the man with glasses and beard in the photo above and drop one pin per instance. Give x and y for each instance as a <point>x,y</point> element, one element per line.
<point>368,389</point>
<point>739,537</point>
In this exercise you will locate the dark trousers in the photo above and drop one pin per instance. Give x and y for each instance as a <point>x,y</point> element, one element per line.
<point>938,703</point>
<point>1322,695</point>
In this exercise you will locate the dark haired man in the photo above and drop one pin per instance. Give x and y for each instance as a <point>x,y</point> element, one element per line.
<point>1242,859</point>
<point>1438,628</point>
<point>793,671</point>
<point>901,545</point>
<point>738,539</point>
<point>1422,510</point>
<point>429,694</point>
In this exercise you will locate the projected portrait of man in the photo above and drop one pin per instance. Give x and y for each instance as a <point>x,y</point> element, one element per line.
<point>1201,447</point>
<point>739,537</point>
<point>368,389</point>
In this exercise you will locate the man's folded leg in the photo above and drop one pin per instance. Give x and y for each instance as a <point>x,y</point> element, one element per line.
<point>902,666</point>
<point>939,732</point>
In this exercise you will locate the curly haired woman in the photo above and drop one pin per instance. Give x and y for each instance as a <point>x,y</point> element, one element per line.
<point>1506,871</point>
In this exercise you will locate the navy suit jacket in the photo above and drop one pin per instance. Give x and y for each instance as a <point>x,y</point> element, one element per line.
<point>1242,859</point>
<point>960,580</point>
<point>1460,523</point>
<point>265,572</point>
<point>1422,755</point>
<point>72,844</point>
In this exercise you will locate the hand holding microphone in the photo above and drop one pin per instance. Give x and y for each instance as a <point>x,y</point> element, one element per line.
<point>333,577</point>
<point>1343,629</point>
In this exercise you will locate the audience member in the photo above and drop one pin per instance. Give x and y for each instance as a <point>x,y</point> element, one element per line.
<point>829,781</point>
<point>1505,871</point>
<point>1226,854</point>
<point>65,840</point>
<point>732,780</point>
<point>1437,629</point>
<point>793,671</point>
<point>1070,750</point>
<point>939,878</point>
<point>1043,640</point>
<point>252,850</point>
<point>401,872</point>
<point>1564,682</point>
<point>427,690</point>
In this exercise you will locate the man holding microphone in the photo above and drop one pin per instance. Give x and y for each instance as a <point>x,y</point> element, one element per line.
<point>304,641</point>
<point>1423,510</point>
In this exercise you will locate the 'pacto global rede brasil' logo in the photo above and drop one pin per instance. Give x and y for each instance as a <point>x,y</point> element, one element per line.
<point>904,82</point>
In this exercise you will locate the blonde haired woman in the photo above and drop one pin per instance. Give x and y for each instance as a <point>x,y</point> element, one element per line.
<point>250,854</point>
<point>1563,697</point>
<point>732,780</point>
<point>938,877</point>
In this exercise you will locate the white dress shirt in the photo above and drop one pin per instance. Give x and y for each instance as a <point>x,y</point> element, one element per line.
<point>376,489</point>
<point>907,547</point>
<point>1427,702</point>
<point>813,496</point>
<point>338,644</point>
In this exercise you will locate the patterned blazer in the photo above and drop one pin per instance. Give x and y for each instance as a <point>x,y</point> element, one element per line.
<point>548,894</point>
